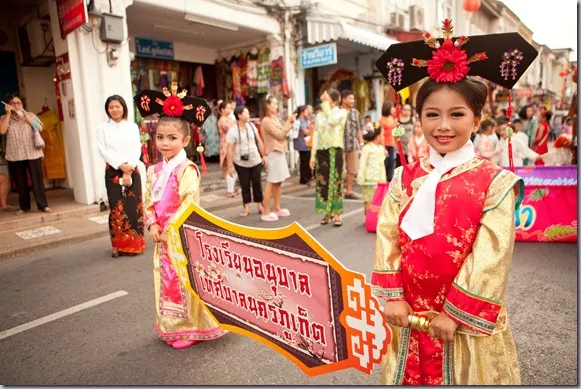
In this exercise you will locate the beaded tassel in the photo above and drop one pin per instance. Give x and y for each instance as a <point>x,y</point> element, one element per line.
<point>399,131</point>
<point>509,131</point>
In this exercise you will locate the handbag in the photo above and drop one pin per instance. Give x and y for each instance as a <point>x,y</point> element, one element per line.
<point>38,141</point>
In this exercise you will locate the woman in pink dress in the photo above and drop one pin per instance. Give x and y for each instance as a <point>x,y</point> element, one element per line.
<point>225,123</point>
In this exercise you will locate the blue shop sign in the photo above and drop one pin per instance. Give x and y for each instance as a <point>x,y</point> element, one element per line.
<point>312,57</point>
<point>153,49</point>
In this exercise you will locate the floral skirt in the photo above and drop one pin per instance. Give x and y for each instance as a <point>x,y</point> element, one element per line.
<point>329,176</point>
<point>126,216</point>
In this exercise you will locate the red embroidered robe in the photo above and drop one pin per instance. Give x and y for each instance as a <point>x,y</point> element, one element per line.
<point>460,269</point>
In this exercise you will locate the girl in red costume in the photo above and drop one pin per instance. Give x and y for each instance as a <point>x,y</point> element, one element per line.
<point>445,233</point>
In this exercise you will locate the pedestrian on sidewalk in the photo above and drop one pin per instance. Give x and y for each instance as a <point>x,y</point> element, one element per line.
<point>300,142</point>
<point>388,123</point>
<point>245,158</point>
<point>352,141</point>
<point>371,167</point>
<point>118,141</point>
<point>541,141</point>
<point>327,158</point>
<point>418,147</point>
<point>486,142</point>
<point>406,121</point>
<point>446,230</point>
<point>225,124</point>
<point>23,153</point>
<point>275,145</point>
<point>4,179</point>
<point>172,186</point>
<point>530,122</point>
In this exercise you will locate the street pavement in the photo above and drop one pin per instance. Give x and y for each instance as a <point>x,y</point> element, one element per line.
<point>113,342</point>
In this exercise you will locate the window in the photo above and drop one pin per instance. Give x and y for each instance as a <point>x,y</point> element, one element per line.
<point>444,11</point>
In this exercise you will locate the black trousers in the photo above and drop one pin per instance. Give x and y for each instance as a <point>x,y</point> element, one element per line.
<point>390,162</point>
<point>305,169</point>
<point>19,170</point>
<point>250,176</point>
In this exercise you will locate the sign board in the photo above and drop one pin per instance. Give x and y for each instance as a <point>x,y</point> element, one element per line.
<point>548,212</point>
<point>312,57</point>
<point>72,14</point>
<point>153,49</point>
<point>282,288</point>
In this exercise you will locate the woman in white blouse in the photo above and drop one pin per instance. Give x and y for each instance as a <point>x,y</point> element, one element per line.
<point>120,146</point>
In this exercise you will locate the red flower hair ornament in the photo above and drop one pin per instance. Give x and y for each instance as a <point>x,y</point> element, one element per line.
<point>449,62</point>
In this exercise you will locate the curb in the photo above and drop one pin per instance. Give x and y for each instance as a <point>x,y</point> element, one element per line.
<point>52,243</point>
<point>57,240</point>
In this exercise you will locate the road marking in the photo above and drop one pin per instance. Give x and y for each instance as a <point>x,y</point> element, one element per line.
<point>60,314</point>
<point>212,197</point>
<point>38,232</point>
<point>312,199</point>
<point>318,225</point>
<point>101,219</point>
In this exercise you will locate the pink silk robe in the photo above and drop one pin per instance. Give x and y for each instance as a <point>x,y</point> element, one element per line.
<point>178,314</point>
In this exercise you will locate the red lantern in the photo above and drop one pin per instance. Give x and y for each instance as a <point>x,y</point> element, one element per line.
<point>471,5</point>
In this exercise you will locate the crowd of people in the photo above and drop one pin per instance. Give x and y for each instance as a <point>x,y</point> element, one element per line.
<point>330,142</point>
<point>533,130</point>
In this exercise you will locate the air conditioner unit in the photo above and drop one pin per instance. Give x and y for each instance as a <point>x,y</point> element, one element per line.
<point>36,44</point>
<point>416,17</point>
<point>397,20</point>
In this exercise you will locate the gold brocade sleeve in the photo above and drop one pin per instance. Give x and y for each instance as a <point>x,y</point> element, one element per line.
<point>148,209</point>
<point>476,297</point>
<point>386,278</point>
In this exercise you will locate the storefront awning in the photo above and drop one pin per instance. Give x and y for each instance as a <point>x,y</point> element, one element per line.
<point>319,31</point>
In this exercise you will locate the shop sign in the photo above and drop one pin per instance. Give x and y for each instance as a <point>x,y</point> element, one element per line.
<point>72,14</point>
<point>312,57</point>
<point>153,49</point>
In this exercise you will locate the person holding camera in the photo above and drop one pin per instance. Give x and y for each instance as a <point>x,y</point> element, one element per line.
<point>246,158</point>
<point>276,146</point>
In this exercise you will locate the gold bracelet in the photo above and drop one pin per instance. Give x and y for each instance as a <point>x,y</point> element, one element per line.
<point>421,323</point>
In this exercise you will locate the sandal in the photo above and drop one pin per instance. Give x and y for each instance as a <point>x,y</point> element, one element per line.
<point>338,222</point>
<point>244,213</point>
<point>326,220</point>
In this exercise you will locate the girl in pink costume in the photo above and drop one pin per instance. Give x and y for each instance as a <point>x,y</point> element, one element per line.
<point>172,185</point>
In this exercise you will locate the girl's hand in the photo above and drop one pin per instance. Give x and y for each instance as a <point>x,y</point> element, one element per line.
<point>312,165</point>
<point>8,108</point>
<point>264,163</point>
<point>443,327</point>
<point>396,313</point>
<point>231,171</point>
<point>155,233</point>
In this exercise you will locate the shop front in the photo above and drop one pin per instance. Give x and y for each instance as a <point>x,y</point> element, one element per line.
<point>215,51</point>
<point>352,67</point>
<point>31,69</point>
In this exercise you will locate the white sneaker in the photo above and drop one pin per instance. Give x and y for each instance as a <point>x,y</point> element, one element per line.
<point>271,217</point>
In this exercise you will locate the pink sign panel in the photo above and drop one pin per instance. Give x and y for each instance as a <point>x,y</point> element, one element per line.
<point>548,212</point>
<point>253,284</point>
